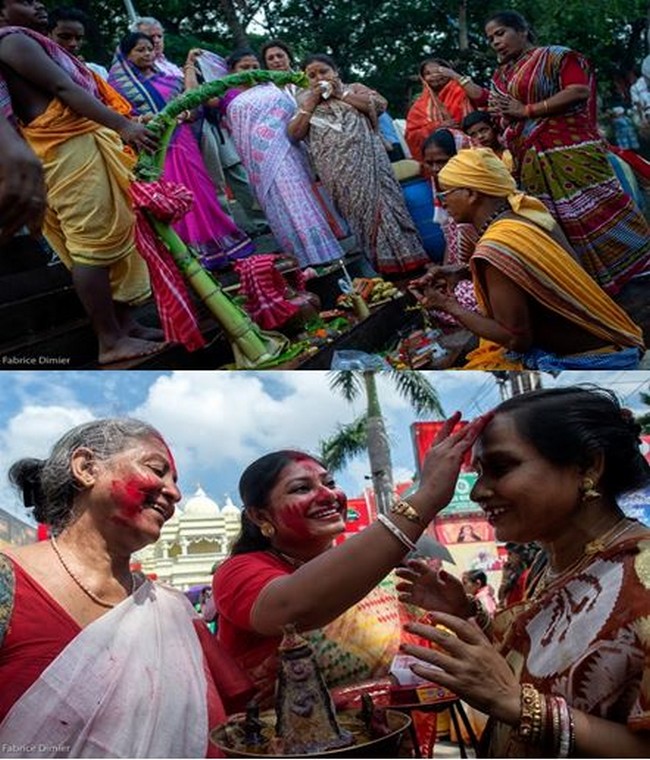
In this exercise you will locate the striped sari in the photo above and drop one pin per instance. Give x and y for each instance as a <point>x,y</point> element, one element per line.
<point>560,285</point>
<point>562,160</point>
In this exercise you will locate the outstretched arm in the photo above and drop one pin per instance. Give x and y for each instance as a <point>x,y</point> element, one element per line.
<point>27,58</point>
<point>323,588</point>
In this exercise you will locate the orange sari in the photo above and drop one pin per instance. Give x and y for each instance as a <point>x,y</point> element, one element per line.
<point>433,110</point>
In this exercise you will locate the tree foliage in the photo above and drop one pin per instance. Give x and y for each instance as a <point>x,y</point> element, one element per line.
<point>381,42</point>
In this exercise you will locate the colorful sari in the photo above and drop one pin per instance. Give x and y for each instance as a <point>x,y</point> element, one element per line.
<point>585,637</point>
<point>433,110</point>
<point>562,160</point>
<point>205,226</point>
<point>353,166</point>
<point>279,172</point>
<point>560,285</point>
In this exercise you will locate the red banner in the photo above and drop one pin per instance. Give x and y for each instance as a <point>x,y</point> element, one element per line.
<point>423,434</point>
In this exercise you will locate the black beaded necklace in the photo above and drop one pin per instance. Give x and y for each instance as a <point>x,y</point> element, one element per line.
<point>503,207</point>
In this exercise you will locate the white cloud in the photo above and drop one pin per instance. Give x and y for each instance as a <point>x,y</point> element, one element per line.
<point>31,432</point>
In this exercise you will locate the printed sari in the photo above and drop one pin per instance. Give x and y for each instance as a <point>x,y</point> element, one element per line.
<point>353,166</point>
<point>583,636</point>
<point>562,160</point>
<point>279,172</point>
<point>206,227</point>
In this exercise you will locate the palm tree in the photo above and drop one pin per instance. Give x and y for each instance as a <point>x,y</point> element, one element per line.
<point>368,432</point>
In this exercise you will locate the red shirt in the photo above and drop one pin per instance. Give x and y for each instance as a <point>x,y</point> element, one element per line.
<point>236,586</point>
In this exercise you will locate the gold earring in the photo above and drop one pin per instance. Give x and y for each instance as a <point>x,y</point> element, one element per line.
<point>268,531</point>
<point>588,490</point>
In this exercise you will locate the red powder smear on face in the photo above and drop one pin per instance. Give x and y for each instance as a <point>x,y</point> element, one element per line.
<point>131,494</point>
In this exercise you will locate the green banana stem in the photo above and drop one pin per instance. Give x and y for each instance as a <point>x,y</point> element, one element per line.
<point>252,346</point>
<point>150,165</point>
<point>238,326</point>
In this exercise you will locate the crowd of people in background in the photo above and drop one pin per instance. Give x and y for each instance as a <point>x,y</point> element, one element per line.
<point>311,164</point>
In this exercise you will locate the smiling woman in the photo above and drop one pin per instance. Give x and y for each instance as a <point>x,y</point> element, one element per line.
<point>284,569</point>
<point>72,613</point>
<point>565,671</point>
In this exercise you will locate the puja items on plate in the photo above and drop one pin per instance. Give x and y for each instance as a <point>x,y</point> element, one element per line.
<point>373,290</point>
<point>306,720</point>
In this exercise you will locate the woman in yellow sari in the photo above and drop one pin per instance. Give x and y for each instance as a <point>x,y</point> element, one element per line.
<point>538,308</point>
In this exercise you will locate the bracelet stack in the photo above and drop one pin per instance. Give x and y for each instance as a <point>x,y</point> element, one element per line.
<point>397,532</point>
<point>464,81</point>
<point>546,720</point>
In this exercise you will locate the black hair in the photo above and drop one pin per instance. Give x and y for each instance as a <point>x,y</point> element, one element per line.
<point>255,486</point>
<point>444,139</point>
<point>130,40</point>
<point>477,576</point>
<point>236,56</point>
<point>569,426</point>
<point>477,117</point>
<point>278,44</point>
<point>512,20</point>
<point>319,58</point>
<point>65,13</point>
<point>437,61</point>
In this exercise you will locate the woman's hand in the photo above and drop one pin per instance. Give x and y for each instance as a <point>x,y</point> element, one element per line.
<point>444,71</point>
<point>434,590</point>
<point>467,664</point>
<point>442,463</point>
<point>192,56</point>
<point>138,136</point>
<point>508,106</point>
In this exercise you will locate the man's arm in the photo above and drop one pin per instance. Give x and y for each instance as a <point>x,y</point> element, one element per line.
<point>22,188</point>
<point>27,59</point>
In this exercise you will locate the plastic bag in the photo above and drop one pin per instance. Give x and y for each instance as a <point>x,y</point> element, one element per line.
<point>358,360</point>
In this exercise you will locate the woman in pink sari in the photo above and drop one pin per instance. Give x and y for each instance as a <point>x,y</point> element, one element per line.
<point>206,227</point>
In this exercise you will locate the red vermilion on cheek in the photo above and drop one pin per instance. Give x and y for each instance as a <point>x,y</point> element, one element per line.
<point>293,517</point>
<point>130,494</point>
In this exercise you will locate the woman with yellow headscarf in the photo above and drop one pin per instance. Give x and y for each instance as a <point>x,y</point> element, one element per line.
<point>539,309</point>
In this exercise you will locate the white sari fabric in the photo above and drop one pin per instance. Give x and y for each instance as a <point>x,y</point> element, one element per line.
<point>131,684</point>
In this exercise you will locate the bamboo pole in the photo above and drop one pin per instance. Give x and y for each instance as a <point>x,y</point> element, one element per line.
<point>252,347</point>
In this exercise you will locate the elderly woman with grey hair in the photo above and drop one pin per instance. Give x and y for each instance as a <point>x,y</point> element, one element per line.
<point>87,646</point>
<point>153,28</point>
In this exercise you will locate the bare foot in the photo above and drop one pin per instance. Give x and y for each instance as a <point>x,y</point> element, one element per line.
<point>129,348</point>
<point>136,330</point>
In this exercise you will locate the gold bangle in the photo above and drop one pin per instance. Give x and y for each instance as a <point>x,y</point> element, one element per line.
<point>403,508</point>
<point>464,81</point>
<point>545,104</point>
<point>532,708</point>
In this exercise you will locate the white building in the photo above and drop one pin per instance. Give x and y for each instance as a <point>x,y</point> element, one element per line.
<point>198,536</point>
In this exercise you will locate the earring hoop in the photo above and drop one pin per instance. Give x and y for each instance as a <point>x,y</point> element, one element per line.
<point>267,529</point>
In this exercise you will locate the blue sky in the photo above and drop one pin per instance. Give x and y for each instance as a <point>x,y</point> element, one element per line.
<point>218,422</point>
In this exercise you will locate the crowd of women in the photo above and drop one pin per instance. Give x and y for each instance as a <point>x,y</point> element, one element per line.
<point>98,661</point>
<point>311,163</point>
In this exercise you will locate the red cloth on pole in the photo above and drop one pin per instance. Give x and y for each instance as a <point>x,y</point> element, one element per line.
<point>166,201</point>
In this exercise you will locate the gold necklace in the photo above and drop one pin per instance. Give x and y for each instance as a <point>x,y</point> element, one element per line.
<point>286,557</point>
<point>82,586</point>
<point>591,548</point>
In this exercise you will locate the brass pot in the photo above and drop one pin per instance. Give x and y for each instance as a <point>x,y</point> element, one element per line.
<point>382,747</point>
